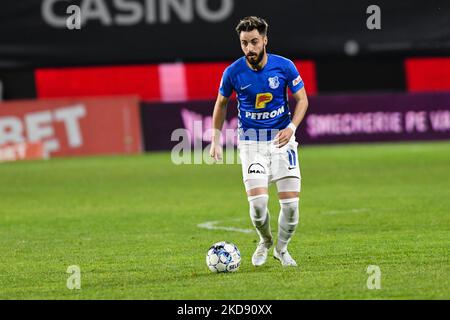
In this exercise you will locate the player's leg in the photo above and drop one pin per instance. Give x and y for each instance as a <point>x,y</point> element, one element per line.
<point>255,173</point>
<point>288,194</point>
<point>286,174</point>
<point>258,198</point>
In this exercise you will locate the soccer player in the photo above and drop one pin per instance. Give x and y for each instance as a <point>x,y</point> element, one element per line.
<point>266,143</point>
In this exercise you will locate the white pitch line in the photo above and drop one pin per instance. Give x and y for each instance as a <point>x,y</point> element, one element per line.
<point>211,225</point>
<point>345,211</point>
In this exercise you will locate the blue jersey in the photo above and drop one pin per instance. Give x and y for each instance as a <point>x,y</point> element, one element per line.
<point>262,95</point>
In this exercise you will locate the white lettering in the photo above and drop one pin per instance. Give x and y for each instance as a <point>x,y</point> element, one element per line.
<point>13,152</point>
<point>374,20</point>
<point>221,14</point>
<point>181,152</point>
<point>11,130</point>
<point>346,124</point>
<point>264,115</point>
<point>416,121</point>
<point>280,111</point>
<point>440,120</point>
<point>95,10</point>
<point>74,20</point>
<point>70,118</point>
<point>74,281</point>
<point>151,17</point>
<point>49,15</point>
<point>133,12</point>
<point>374,279</point>
<point>39,128</point>
<point>134,9</point>
<point>183,8</point>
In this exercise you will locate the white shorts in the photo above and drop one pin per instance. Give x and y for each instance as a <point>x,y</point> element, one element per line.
<point>262,160</point>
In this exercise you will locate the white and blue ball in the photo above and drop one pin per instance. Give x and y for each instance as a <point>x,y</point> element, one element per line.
<point>223,257</point>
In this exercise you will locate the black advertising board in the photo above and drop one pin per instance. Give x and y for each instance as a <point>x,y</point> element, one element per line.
<point>35,32</point>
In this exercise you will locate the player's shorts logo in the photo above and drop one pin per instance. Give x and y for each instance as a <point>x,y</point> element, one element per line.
<point>292,159</point>
<point>274,82</point>
<point>262,99</point>
<point>256,168</point>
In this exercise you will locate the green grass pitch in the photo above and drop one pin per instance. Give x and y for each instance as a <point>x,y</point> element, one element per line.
<point>131,225</point>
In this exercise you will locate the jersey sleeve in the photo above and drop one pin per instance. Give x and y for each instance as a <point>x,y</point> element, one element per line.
<point>226,87</point>
<point>295,81</point>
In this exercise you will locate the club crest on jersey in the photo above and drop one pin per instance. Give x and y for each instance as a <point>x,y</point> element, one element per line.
<point>262,99</point>
<point>274,82</point>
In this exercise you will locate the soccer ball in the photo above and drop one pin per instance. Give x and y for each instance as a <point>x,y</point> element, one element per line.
<point>223,257</point>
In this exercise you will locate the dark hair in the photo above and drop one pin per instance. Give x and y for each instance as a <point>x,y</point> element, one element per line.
<point>252,23</point>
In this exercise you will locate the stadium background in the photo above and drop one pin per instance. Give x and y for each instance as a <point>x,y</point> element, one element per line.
<point>171,54</point>
<point>139,69</point>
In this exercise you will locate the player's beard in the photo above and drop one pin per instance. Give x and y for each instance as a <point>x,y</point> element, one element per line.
<point>255,61</point>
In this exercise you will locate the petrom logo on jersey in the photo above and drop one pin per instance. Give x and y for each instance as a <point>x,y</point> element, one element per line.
<point>262,99</point>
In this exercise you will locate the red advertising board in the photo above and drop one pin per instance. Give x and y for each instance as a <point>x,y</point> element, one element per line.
<point>167,82</point>
<point>73,126</point>
<point>428,74</point>
<point>22,151</point>
<point>142,80</point>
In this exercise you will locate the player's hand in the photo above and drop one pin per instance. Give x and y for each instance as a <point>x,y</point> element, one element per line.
<point>215,151</point>
<point>283,137</point>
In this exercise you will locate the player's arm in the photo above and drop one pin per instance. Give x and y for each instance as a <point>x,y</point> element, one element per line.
<point>219,115</point>
<point>301,106</point>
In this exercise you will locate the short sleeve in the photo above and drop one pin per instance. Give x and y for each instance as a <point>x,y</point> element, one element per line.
<point>226,88</point>
<point>295,81</point>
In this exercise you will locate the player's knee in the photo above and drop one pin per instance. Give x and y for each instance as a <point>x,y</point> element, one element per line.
<point>289,210</point>
<point>288,195</point>
<point>258,206</point>
<point>259,203</point>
